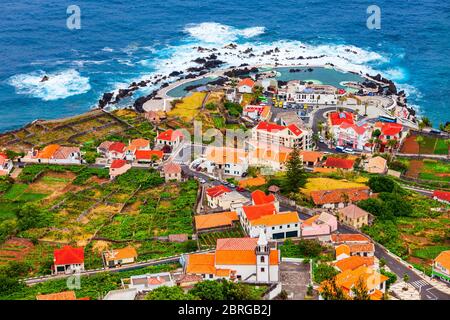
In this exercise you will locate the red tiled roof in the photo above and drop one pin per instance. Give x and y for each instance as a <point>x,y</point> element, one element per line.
<point>294,129</point>
<point>217,191</point>
<point>358,129</point>
<point>339,195</point>
<point>443,195</point>
<point>169,135</point>
<point>268,126</point>
<point>389,128</point>
<point>246,82</point>
<point>117,147</point>
<point>68,255</point>
<point>147,154</point>
<point>258,211</point>
<point>339,163</point>
<point>259,197</point>
<point>118,163</point>
<point>337,118</point>
<point>353,262</point>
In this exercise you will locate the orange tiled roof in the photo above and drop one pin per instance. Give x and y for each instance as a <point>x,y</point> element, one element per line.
<point>370,277</point>
<point>246,82</point>
<point>311,156</point>
<point>223,155</point>
<point>139,143</point>
<point>207,221</point>
<point>201,263</point>
<point>361,247</point>
<point>376,295</point>
<point>338,195</point>
<point>348,237</point>
<point>242,257</point>
<point>342,249</point>
<point>65,295</point>
<point>444,259</point>
<point>259,197</point>
<point>48,151</point>
<point>119,254</point>
<point>311,220</point>
<point>354,262</point>
<point>277,219</point>
<point>236,243</point>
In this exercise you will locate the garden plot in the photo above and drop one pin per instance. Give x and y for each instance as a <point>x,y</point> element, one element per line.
<point>188,108</point>
<point>429,145</point>
<point>208,240</point>
<point>428,169</point>
<point>317,184</point>
<point>15,249</point>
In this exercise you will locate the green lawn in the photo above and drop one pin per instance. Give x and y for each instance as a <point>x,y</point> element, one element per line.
<point>7,210</point>
<point>441,147</point>
<point>219,121</point>
<point>15,191</point>
<point>429,253</point>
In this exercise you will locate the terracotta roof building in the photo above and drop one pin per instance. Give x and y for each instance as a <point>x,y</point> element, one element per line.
<point>246,259</point>
<point>441,266</point>
<point>215,220</point>
<point>68,260</point>
<point>339,198</point>
<point>354,216</point>
<point>122,256</point>
<point>339,163</point>
<point>172,171</point>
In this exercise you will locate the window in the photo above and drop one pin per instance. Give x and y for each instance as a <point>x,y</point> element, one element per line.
<point>273,228</point>
<point>288,225</point>
<point>262,259</point>
<point>296,224</point>
<point>281,227</point>
<point>210,276</point>
<point>263,269</point>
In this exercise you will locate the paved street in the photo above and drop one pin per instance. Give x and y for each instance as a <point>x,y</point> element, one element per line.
<point>295,278</point>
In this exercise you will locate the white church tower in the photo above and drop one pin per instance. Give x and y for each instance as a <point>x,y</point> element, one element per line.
<point>262,258</point>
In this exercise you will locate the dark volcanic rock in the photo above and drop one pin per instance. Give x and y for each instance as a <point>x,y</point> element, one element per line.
<point>105,99</point>
<point>199,60</point>
<point>213,64</point>
<point>45,78</point>
<point>175,73</point>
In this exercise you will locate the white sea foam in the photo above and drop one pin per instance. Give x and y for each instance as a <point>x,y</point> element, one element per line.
<point>214,38</point>
<point>107,49</point>
<point>212,32</point>
<point>61,84</point>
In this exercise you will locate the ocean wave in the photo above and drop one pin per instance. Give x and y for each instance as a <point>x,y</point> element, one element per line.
<point>213,32</point>
<point>61,84</point>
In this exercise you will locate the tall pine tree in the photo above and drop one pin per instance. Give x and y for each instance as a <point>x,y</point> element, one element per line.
<point>295,174</point>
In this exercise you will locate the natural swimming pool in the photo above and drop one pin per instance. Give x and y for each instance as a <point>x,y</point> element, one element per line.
<point>319,75</point>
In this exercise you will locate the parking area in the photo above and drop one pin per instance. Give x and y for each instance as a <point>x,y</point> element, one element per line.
<point>295,279</point>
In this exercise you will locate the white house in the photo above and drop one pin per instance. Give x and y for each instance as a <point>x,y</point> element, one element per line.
<point>170,138</point>
<point>68,260</point>
<point>6,165</point>
<point>149,282</point>
<point>231,161</point>
<point>351,135</point>
<point>246,85</point>
<point>298,92</point>
<point>243,259</point>
<point>288,136</point>
<point>54,154</point>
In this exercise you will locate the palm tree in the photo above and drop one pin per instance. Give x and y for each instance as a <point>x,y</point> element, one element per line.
<point>391,144</point>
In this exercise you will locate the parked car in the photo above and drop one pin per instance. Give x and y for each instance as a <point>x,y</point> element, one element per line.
<point>240,189</point>
<point>349,150</point>
<point>244,174</point>
<point>202,181</point>
<point>339,149</point>
<point>232,186</point>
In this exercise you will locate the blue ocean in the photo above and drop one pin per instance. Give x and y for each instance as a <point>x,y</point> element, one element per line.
<point>124,41</point>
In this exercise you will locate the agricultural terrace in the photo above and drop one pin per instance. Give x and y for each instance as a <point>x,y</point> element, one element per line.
<point>188,107</point>
<point>317,184</point>
<point>425,145</point>
<point>409,224</point>
<point>55,205</point>
<point>428,169</point>
<point>84,130</point>
<point>208,240</point>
